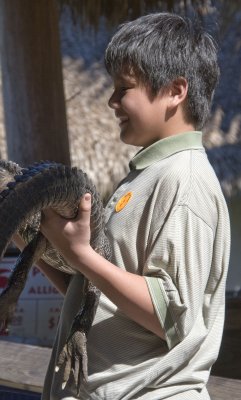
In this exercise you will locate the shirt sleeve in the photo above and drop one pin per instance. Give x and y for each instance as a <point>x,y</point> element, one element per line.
<point>177,268</point>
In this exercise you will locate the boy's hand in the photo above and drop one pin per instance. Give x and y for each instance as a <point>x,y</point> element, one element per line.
<point>70,237</point>
<point>129,292</point>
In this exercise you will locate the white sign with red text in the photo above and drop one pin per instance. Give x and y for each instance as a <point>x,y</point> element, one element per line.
<point>36,316</point>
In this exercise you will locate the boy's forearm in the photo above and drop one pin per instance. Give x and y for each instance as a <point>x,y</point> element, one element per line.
<point>128,291</point>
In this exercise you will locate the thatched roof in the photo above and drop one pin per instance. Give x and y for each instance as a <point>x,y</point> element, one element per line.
<point>90,12</point>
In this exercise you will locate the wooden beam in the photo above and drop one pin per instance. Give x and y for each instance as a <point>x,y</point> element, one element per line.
<point>33,93</point>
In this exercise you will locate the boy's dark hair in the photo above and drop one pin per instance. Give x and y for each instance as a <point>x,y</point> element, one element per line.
<point>159,48</point>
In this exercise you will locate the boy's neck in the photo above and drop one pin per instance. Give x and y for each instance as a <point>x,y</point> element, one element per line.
<point>176,122</point>
<point>176,128</point>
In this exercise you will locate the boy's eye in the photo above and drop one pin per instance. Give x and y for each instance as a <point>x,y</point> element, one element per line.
<point>124,88</point>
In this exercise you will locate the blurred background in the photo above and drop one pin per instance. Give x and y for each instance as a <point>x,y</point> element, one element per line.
<point>53,105</point>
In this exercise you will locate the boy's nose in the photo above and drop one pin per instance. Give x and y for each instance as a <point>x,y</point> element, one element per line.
<point>114,101</point>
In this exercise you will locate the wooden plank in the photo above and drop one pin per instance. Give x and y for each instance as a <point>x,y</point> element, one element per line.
<point>24,366</point>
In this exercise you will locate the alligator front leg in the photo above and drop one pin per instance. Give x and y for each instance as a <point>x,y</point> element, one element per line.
<point>9,296</point>
<point>74,354</point>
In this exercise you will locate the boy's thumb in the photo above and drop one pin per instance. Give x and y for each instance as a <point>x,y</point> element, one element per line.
<point>85,203</point>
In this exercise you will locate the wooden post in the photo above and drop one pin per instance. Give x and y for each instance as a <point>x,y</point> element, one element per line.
<point>33,93</point>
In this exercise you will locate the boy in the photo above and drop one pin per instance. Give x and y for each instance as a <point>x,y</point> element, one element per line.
<point>158,327</point>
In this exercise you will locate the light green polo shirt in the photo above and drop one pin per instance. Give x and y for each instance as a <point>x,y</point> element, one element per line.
<point>167,221</point>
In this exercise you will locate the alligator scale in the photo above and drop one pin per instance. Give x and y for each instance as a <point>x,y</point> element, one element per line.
<point>24,193</point>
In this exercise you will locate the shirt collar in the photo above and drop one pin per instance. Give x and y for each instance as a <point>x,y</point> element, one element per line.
<point>166,147</point>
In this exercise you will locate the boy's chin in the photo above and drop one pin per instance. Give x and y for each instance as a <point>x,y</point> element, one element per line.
<point>125,138</point>
<point>128,139</point>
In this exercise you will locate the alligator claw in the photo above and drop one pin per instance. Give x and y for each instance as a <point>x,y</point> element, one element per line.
<point>75,360</point>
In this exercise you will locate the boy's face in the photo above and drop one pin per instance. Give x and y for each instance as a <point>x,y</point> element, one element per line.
<point>142,117</point>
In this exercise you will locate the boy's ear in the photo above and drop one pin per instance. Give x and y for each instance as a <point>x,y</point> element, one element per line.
<point>177,92</point>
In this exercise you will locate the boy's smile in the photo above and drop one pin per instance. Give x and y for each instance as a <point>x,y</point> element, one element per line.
<point>122,119</point>
<point>141,115</point>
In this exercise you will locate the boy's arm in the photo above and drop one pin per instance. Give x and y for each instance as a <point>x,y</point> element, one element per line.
<point>59,279</point>
<point>128,291</point>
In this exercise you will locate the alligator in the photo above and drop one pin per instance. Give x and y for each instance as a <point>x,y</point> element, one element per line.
<point>24,193</point>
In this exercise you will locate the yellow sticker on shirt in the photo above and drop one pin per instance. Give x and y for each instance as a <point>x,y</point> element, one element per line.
<point>124,200</point>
